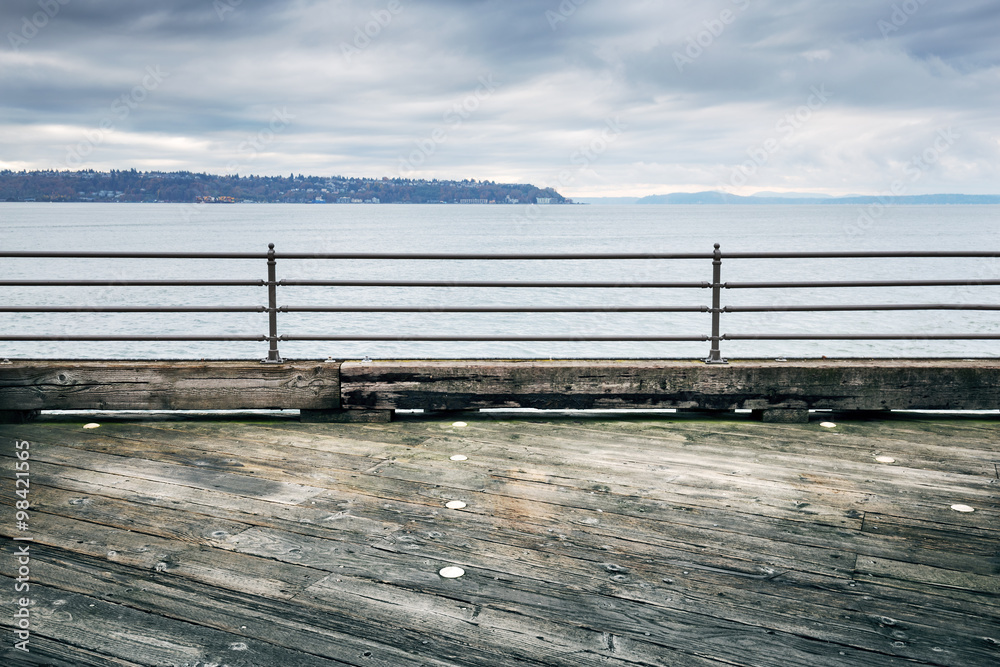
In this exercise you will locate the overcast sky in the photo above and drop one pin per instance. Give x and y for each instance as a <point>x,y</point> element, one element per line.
<point>592,97</point>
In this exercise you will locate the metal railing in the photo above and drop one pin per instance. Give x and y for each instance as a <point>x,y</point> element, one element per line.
<point>716,286</point>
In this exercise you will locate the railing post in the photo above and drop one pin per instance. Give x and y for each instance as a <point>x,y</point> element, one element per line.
<point>715,355</point>
<point>273,357</point>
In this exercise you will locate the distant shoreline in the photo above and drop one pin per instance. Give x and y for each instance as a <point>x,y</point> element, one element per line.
<point>184,187</point>
<point>725,199</point>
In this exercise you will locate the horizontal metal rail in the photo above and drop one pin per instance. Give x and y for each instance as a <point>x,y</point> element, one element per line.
<point>342,283</point>
<point>865,254</point>
<point>487,338</point>
<point>487,283</point>
<point>133,309</point>
<point>863,283</point>
<point>494,309</point>
<point>862,254</point>
<point>872,307</point>
<point>187,339</point>
<point>131,254</point>
<point>100,254</point>
<point>716,285</point>
<point>356,309</point>
<point>450,256</point>
<point>133,283</point>
<point>887,336</point>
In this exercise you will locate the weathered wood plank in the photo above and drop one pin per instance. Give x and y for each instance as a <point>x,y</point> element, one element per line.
<point>450,385</point>
<point>548,503</point>
<point>637,465</point>
<point>147,587</point>
<point>52,653</point>
<point>618,542</point>
<point>772,615</point>
<point>681,512</point>
<point>338,636</point>
<point>577,598</point>
<point>945,443</point>
<point>95,489</point>
<point>684,587</point>
<point>514,637</point>
<point>167,385</point>
<point>163,522</point>
<point>835,627</point>
<point>149,639</point>
<point>685,555</point>
<point>928,538</point>
<point>629,491</point>
<point>194,476</point>
<point>208,449</point>
<point>843,453</point>
<point>296,543</point>
<point>169,558</point>
<point>296,549</point>
<point>807,491</point>
<point>320,468</point>
<point>186,524</point>
<point>895,571</point>
<point>816,384</point>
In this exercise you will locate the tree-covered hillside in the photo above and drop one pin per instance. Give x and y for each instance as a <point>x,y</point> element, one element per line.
<point>154,186</point>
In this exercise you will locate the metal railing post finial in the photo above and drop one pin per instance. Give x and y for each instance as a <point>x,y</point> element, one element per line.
<point>273,357</point>
<point>715,355</point>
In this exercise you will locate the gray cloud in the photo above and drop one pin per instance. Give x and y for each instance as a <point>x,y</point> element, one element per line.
<point>365,84</point>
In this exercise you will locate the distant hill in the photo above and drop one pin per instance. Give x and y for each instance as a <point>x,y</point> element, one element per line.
<point>793,195</point>
<point>714,197</point>
<point>606,201</point>
<point>184,186</point>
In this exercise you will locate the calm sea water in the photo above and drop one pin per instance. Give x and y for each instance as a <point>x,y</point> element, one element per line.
<point>450,228</point>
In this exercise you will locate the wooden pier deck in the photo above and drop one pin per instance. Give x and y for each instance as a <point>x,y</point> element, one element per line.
<point>587,539</point>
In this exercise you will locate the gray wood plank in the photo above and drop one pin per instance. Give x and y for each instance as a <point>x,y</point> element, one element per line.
<point>169,558</point>
<point>167,385</point>
<point>633,555</point>
<point>590,538</point>
<point>525,588</point>
<point>136,636</point>
<point>882,569</point>
<point>337,635</point>
<point>818,384</point>
<point>198,477</point>
<point>92,490</point>
<point>52,653</point>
